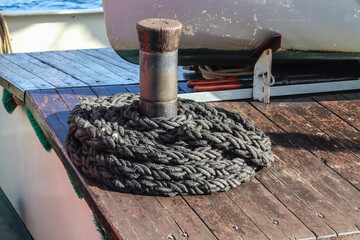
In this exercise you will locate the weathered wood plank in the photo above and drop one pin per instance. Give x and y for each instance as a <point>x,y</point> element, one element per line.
<point>160,217</point>
<point>102,91</point>
<point>133,88</point>
<point>329,123</point>
<point>132,70</point>
<point>122,76</point>
<point>14,89</point>
<point>319,143</point>
<point>334,127</point>
<point>191,225</point>
<point>348,110</point>
<point>296,205</point>
<point>234,217</point>
<point>93,68</point>
<point>299,180</point>
<point>72,68</point>
<point>68,96</point>
<point>25,78</point>
<point>53,110</point>
<point>184,87</point>
<point>72,96</point>
<point>12,81</point>
<point>117,89</point>
<point>225,219</point>
<point>44,71</point>
<point>213,220</point>
<point>187,73</point>
<point>268,213</point>
<point>110,56</point>
<point>83,92</point>
<point>352,95</point>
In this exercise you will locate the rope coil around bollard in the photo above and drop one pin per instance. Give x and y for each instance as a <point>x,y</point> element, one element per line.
<point>201,151</point>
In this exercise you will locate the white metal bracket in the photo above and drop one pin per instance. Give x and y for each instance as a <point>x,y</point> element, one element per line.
<point>263,78</point>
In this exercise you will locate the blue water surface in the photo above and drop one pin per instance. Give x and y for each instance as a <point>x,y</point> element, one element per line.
<point>23,5</point>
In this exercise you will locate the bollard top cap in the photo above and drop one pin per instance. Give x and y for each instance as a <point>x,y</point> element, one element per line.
<point>159,34</point>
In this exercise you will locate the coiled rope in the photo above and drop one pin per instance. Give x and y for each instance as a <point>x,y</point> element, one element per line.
<point>208,73</point>
<point>202,150</point>
<point>5,43</point>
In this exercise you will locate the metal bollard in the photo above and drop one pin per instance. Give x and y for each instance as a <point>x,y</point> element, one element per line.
<point>159,42</point>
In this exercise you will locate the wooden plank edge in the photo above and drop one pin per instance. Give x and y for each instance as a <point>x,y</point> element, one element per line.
<point>74,173</point>
<point>15,90</point>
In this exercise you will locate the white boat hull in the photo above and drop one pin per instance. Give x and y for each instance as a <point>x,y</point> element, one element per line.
<point>37,185</point>
<point>305,25</point>
<point>34,31</point>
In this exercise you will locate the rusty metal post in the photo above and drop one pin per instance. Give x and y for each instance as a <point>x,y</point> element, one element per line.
<point>159,42</point>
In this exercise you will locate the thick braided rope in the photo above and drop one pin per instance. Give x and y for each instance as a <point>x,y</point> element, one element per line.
<point>202,150</point>
<point>5,43</point>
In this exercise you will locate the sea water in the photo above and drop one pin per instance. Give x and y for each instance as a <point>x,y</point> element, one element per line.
<point>31,5</point>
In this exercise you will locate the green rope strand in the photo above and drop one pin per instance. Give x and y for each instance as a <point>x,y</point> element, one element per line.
<point>100,230</point>
<point>8,101</point>
<point>38,131</point>
<point>75,188</point>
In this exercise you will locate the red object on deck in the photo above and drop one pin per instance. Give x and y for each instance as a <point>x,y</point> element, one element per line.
<point>193,83</point>
<point>217,87</point>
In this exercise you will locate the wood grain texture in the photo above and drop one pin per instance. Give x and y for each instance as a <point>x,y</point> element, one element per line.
<point>346,106</point>
<point>121,74</point>
<point>109,91</point>
<point>307,180</point>
<point>93,69</point>
<point>132,70</point>
<point>48,73</point>
<point>342,139</point>
<point>72,68</point>
<point>187,219</point>
<point>108,55</point>
<point>13,81</point>
<point>225,219</point>
<point>72,96</point>
<point>21,77</point>
<point>133,88</point>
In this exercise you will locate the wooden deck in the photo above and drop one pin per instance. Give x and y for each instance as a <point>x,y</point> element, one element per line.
<point>310,192</point>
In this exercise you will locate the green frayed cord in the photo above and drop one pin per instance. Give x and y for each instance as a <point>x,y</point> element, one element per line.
<point>39,132</point>
<point>100,230</point>
<point>8,101</point>
<point>75,188</point>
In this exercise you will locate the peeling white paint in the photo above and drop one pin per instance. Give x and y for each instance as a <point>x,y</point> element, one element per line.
<point>213,25</point>
<point>255,31</point>
<point>189,30</point>
<point>304,24</point>
<point>226,19</point>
